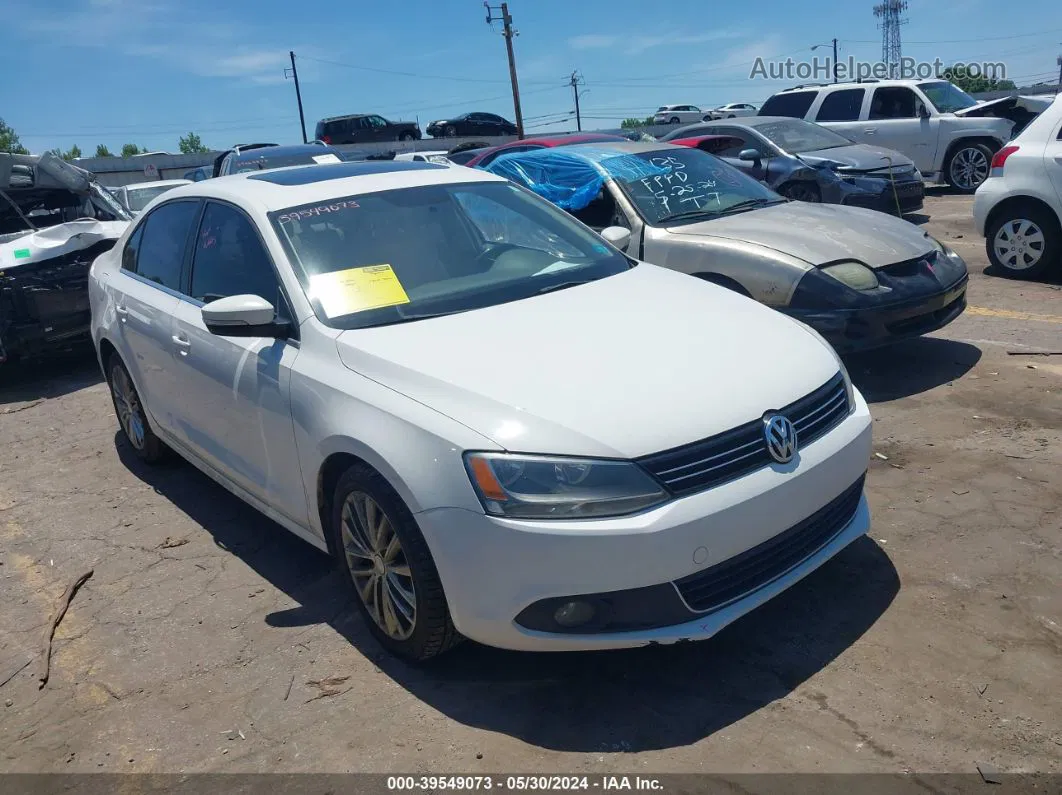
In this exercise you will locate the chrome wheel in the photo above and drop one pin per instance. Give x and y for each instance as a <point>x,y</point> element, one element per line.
<point>127,403</point>
<point>969,168</point>
<point>377,564</point>
<point>1019,244</point>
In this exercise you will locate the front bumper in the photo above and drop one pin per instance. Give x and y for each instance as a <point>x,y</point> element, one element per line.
<point>863,328</point>
<point>494,569</point>
<point>909,195</point>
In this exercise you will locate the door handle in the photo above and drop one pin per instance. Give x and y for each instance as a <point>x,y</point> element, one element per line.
<point>183,344</point>
<point>122,312</point>
<point>870,130</point>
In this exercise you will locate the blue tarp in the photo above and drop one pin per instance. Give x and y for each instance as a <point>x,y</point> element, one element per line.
<point>571,178</point>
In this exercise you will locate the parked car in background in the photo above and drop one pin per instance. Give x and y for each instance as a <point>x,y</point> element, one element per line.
<point>1019,207</point>
<point>337,395</point>
<point>199,174</point>
<point>732,111</point>
<point>137,196</point>
<point>462,153</point>
<point>256,157</point>
<point>429,156</point>
<point>364,128</point>
<point>486,156</point>
<point>678,114</point>
<point>55,219</point>
<point>946,133</point>
<point>860,278</point>
<point>471,124</point>
<point>807,162</point>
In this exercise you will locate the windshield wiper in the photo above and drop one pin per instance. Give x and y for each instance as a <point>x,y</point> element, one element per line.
<point>563,286</point>
<point>742,205</point>
<point>748,204</point>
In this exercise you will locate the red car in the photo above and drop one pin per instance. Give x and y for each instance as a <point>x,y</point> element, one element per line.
<point>712,144</point>
<point>541,142</point>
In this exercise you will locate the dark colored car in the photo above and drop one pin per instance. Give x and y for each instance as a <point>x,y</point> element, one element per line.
<point>199,174</point>
<point>257,157</point>
<point>364,128</point>
<point>487,156</point>
<point>471,124</point>
<point>806,162</point>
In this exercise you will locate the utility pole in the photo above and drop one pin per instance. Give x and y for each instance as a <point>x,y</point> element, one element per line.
<point>508,33</point>
<point>835,60</point>
<point>575,80</point>
<point>298,93</point>
<point>1059,62</point>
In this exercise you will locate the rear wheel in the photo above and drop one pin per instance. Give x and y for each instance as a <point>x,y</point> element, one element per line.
<point>1024,241</point>
<point>389,566</point>
<point>406,136</point>
<point>131,414</point>
<point>673,120</point>
<point>968,167</point>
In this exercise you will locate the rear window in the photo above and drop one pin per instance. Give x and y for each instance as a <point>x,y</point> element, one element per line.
<point>795,104</point>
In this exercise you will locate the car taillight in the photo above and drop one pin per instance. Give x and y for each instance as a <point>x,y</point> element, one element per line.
<point>1000,159</point>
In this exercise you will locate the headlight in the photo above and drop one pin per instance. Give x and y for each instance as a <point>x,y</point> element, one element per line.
<point>852,274</point>
<point>849,389</point>
<point>547,487</point>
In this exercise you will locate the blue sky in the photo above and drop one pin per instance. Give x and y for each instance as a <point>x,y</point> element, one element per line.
<point>146,71</point>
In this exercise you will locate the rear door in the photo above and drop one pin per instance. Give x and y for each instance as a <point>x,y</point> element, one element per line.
<point>146,297</point>
<point>841,111</point>
<point>235,410</point>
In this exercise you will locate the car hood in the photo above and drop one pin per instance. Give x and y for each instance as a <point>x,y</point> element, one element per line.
<point>1000,107</point>
<point>819,233</point>
<point>632,364</point>
<point>859,157</point>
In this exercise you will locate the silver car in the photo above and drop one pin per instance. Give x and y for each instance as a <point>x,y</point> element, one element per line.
<point>860,278</point>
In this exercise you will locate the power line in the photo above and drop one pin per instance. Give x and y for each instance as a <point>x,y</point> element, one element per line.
<point>400,73</point>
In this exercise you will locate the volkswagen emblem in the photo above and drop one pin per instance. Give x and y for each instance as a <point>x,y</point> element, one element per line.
<point>781,438</point>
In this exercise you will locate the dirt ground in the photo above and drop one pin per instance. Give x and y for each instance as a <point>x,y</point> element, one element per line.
<point>932,645</point>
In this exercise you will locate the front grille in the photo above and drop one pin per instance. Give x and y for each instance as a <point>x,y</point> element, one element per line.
<point>717,459</point>
<point>718,586</point>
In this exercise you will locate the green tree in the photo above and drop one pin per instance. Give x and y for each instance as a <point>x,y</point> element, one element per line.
<point>73,153</point>
<point>128,150</point>
<point>631,124</point>
<point>9,141</point>
<point>975,85</point>
<point>103,151</point>
<point>191,145</point>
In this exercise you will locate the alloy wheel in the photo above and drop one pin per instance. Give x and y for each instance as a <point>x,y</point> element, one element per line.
<point>1019,244</point>
<point>377,564</point>
<point>128,404</point>
<point>969,168</point>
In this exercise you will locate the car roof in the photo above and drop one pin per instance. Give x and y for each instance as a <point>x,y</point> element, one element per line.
<point>629,147</point>
<point>157,183</point>
<point>870,83</point>
<point>749,121</point>
<point>296,185</point>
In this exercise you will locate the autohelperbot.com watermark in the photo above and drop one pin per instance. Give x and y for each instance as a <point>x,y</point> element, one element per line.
<point>846,69</point>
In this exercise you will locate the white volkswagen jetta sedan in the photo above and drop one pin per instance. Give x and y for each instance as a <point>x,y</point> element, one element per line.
<point>500,425</point>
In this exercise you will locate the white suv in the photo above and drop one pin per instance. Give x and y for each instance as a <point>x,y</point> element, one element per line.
<point>1019,208</point>
<point>944,130</point>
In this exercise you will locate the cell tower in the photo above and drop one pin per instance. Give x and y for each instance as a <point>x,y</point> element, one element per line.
<point>891,14</point>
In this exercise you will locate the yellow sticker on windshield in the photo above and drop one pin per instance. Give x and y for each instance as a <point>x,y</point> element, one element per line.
<point>357,290</point>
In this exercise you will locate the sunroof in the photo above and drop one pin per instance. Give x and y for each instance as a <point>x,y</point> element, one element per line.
<point>323,172</point>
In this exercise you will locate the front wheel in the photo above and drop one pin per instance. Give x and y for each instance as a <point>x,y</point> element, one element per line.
<point>1024,242</point>
<point>406,136</point>
<point>131,414</point>
<point>968,167</point>
<point>390,568</point>
<point>451,131</point>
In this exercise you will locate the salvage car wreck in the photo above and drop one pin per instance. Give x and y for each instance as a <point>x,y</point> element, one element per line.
<point>55,219</point>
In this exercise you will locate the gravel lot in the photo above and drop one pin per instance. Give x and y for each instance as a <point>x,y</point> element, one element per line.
<point>205,639</point>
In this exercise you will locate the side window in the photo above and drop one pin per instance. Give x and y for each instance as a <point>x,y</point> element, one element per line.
<point>742,141</point>
<point>131,248</point>
<point>694,108</point>
<point>162,246</point>
<point>377,121</point>
<point>897,102</point>
<point>230,260</point>
<point>794,104</point>
<point>842,105</point>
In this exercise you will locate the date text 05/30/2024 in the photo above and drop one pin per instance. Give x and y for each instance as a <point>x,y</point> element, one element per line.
<point>516,783</point>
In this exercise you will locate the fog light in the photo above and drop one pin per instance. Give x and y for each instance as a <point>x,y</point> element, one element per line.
<point>574,614</point>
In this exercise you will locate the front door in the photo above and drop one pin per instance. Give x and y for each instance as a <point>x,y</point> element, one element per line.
<point>146,291</point>
<point>894,123</point>
<point>235,410</point>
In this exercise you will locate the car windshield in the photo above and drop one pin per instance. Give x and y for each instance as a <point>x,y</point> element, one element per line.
<point>796,136</point>
<point>139,198</point>
<point>692,184</point>
<point>412,253</point>
<point>947,97</point>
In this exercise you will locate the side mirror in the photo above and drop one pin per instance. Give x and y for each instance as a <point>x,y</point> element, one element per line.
<point>618,236</point>
<point>751,155</point>
<point>243,316</point>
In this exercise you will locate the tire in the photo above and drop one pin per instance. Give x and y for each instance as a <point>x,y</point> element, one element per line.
<point>405,607</point>
<point>132,418</point>
<point>1035,236</point>
<point>451,131</point>
<point>731,116</point>
<point>968,166</point>
<point>801,192</point>
<point>674,120</point>
<point>406,136</point>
